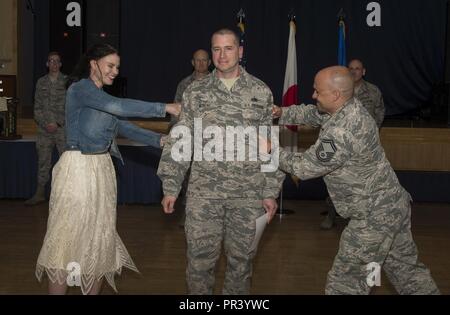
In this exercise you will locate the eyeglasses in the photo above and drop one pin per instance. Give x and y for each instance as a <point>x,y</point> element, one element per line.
<point>54,61</point>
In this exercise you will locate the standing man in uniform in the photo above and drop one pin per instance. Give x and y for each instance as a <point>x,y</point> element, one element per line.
<point>363,187</point>
<point>224,198</point>
<point>49,114</point>
<point>367,93</point>
<point>201,62</point>
<point>370,97</point>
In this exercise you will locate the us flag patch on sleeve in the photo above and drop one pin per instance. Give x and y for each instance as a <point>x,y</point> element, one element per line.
<point>326,150</point>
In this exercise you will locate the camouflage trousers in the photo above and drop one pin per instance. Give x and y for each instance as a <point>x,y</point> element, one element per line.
<point>384,239</point>
<point>208,224</point>
<point>45,143</point>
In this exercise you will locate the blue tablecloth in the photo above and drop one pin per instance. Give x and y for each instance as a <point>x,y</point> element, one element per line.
<point>138,183</point>
<point>137,180</point>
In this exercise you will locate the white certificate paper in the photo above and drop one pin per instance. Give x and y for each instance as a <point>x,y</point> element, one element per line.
<point>261,223</point>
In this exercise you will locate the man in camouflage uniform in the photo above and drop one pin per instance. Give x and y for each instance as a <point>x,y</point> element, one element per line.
<point>201,62</point>
<point>372,100</point>
<point>368,93</point>
<point>224,198</point>
<point>363,187</point>
<point>49,102</point>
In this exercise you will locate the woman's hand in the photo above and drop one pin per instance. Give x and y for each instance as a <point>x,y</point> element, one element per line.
<point>173,109</point>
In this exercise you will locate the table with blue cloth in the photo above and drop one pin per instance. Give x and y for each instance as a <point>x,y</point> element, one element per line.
<point>137,182</point>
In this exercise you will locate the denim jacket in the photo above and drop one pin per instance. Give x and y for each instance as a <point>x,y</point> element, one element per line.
<point>94,119</point>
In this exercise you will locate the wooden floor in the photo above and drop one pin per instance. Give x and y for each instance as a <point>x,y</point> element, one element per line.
<point>294,255</point>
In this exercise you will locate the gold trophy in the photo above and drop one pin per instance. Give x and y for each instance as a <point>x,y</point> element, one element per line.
<point>8,108</point>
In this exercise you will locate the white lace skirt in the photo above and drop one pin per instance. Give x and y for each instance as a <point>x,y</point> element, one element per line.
<point>81,244</point>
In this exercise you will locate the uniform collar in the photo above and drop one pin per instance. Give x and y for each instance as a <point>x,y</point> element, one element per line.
<point>193,78</point>
<point>243,80</point>
<point>363,87</point>
<point>340,112</point>
<point>58,78</point>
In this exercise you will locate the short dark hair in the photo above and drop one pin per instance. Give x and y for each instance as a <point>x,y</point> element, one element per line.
<point>54,53</point>
<point>227,31</point>
<point>356,59</point>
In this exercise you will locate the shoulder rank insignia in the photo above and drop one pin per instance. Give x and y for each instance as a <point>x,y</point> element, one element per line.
<point>326,150</point>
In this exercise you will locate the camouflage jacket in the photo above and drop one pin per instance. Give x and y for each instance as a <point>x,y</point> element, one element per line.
<point>371,98</point>
<point>49,101</point>
<point>182,87</point>
<point>349,155</point>
<point>179,95</point>
<point>249,103</point>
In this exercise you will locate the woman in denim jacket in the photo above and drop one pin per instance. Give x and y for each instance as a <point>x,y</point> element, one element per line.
<point>81,240</point>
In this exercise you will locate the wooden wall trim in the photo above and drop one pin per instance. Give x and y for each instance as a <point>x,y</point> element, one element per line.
<point>408,149</point>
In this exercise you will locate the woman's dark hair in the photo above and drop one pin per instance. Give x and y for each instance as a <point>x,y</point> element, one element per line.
<point>82,69</point>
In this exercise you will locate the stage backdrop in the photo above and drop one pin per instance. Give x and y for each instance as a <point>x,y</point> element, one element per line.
<point>404,56</point>
<point>402,43</point>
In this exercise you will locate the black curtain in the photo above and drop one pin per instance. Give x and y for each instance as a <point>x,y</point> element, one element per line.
<point>41,13</point>
<point>404,57</point>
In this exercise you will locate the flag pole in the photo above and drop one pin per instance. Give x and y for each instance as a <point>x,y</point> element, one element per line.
<point>281,210</point>
<point>342,54</point>
<point>241,27</point>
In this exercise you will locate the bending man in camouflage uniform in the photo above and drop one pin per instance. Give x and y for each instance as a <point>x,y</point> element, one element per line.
<point>224,198</point>
<point>372,100</point>
<point>362,186</point>
<point>49,102</point>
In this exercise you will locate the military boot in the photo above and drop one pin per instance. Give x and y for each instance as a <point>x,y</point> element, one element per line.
<point>39,197</point>
<point>329,220</point>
